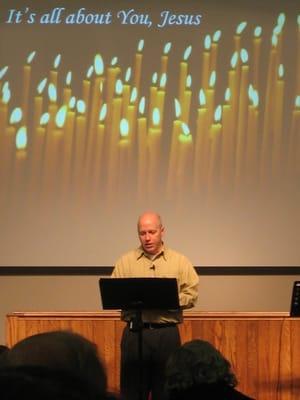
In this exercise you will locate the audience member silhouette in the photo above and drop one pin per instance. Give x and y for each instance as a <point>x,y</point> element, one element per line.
<point>197,370</point>
<point>60,362</point>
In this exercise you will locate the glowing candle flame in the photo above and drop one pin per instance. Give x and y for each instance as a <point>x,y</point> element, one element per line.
<point>72,102</point>
<point>187,53</point>
<point>234,59</point>
<point>277,30</point>
<point>154,78</point>
<point>255,98</point>
<point>15,116</point>
<point>156,116</point>
<point>227,94</point>
<point>6,95</point>
<point>98,64</point>
<point>207,42</point>
<point>114,61</point>
<point>244,55</point>
<point>52,93</point>
<point>297,101</point>
<point>128,74</point>
<point>258,31</point>
<point>185,137</point>
<point>216,36</point>
<point>212,79</point>
<point>45,118</point>
<point>124,127</point>
<point>80,106</point>
<point>188,81</point>
<point>218,114</point>
<point>21,138</point>
<point>133,95</point>
<point>185,129</point>
<point>280,71</point>
<point>298,20</point>
<point>142,105</point>
<point>61,115</point>
<point>119,87</point>
<point>31,57</point>
<point>57,61</point>
<point>41,86</point>
<point>163,80</point>
<point>202,98</point>
<point>241,27</point>
<point>281,19</point>
<point>167,48</point>
<point>103,112</point>
<point>3,71</point>
<point>177,108</point>
<point>90,72</point>
<point>141,45</point>
<point>69,78</point>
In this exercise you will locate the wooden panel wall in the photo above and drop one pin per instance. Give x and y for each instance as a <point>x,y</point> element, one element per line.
<point>264,349</point>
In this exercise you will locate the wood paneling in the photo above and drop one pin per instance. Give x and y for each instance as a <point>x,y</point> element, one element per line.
<point>263,348</point>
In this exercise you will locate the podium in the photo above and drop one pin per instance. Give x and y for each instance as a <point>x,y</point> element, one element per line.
<point>136,295</point>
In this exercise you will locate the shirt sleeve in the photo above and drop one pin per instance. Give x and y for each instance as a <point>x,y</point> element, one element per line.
<point>188,285</point>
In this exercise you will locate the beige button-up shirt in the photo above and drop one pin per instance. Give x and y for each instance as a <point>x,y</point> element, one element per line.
<point>167,264</point>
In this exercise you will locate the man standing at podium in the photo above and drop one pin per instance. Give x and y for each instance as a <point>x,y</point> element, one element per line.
<point>160,330</point>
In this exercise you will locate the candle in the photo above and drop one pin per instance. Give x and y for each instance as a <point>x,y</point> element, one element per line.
<point>184,164</point>
<point>126,93</point>
<point>112,160</point>
<point>214,50</point>
<point>6,142</point>
<point>53,77</point>
<point>256,55</point>
<point>242,119</point>
<point>79,138</point>
<point>210,96</point>
<point>201,144</point>
<point>67,92</point>
<point>154,143</point>
<point>153,94</point>
<point>233,84</point>
<point>164,58</point>
<point>86,86</point>
<point>38,105</point>
<point>176,131</point>
<point>26,85</point>
<point>142,151</point>
<point>160,98</point>
<point>19,164</point>
<point>6,95</point>
<point>227,149</point>
<point>277,145</point>
<point>67,151</point>
<point>206,62</point>
<point>237,37</point>
<point>186,100</point>
<point>183,72</point>
<point>214,138</point>
<point>268,115</point>
<point>96,172</point>
<point>252,139</point>
<point>95,106</point>
<point>123,150</point>
<point>293,160</point>
<point>138,65</point>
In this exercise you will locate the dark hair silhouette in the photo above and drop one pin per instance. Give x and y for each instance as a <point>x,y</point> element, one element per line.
<point>198,370</point>
<point>60,352</point>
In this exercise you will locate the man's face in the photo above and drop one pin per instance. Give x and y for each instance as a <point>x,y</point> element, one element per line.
<point>150,233</point>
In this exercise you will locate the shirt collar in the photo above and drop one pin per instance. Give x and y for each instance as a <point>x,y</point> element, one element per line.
<point>140,252</point>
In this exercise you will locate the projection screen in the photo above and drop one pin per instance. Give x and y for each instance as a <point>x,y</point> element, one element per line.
<point>109,108</point>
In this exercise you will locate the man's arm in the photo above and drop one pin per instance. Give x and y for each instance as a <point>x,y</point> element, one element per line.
<point>188,285</point>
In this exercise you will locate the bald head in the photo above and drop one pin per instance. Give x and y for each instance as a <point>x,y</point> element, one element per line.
<point>150,231</point>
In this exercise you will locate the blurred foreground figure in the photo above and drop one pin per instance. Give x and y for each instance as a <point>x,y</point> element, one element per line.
<point>54,365</point>
<point>197,370</point>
